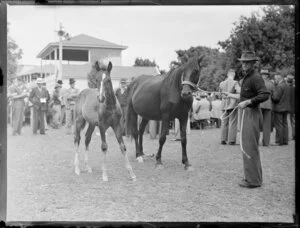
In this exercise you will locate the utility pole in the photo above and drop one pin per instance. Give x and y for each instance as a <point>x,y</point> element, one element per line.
<point>61,33</point>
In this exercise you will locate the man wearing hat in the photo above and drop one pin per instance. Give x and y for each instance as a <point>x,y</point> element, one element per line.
<point>56,97</point>
<point>229,125</point>
<point>266,108</point>
<point>71,95</point>
<point>39,97</point>
<point>291,86</point>
<point>16,94</point>
<point>253,92</point>
<point>122,98</point>
<point>281,98</point>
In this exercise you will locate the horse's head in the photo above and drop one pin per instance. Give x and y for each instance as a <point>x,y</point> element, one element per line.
<point>190,77</point>
<point>106,89</point>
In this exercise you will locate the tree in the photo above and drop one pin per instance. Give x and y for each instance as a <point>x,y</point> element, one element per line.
<point>270,36</point>
<point>213,65</point>
<point>14,54</point>
<point>144,62</point>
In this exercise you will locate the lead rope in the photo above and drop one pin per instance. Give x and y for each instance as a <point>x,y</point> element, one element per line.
<point>241,138</point>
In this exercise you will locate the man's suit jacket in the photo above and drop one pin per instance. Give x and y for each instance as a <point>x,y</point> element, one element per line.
<point>268,103</point>
<point>230,86</point>
<point>36,97</point>
<point>281,97</point>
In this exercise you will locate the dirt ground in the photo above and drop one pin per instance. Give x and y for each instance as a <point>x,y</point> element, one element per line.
<point>42,185</point>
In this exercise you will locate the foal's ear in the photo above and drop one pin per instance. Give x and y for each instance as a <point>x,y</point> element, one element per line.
<point>200,58</point>
<point>109,66</point>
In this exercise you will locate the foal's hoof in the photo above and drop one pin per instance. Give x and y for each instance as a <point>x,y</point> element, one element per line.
<point>133,178</point>
<point>89,169</point>
<point>188,168</point>
<point>104,178</point>
<point>159,166</point>
<point>140,159</point>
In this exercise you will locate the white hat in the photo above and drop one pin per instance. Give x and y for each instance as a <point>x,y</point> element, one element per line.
<point>39,81</point>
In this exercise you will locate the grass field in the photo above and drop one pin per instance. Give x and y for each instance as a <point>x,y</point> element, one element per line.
<point>42,185</point>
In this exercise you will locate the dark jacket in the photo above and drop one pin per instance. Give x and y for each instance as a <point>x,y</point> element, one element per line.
<point>268,103</point>
<point>292,98</point>
<point>281,97</point>
<point>122,97</point>
<point>36,98</point>
<point>253,87</point>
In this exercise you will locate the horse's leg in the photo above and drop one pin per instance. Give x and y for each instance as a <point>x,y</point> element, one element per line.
<point>183,124</point>
<point>88,136</point>
<point>162,140</point>
<point>118,132</point>
<point>104,151</point>
<point>142,127</point>
<point>79,125</point>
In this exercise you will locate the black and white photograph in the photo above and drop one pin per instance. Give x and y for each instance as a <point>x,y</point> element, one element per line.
<point>151,113</point>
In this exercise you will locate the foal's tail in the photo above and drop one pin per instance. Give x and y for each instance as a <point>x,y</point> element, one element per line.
<point>130,116</point>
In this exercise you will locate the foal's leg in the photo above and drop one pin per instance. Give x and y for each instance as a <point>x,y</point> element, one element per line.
<point>183,124</point>
<point>104,150</point>
<point>88,136</point>
<point>79,125</point>
<point>118,132</point>
<point>162,140</point>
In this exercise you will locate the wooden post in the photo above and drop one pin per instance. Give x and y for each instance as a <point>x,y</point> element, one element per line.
<point>3,112</point>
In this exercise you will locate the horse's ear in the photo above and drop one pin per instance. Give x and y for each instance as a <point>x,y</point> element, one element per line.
<point>109,66</point>
<point>200,58</point>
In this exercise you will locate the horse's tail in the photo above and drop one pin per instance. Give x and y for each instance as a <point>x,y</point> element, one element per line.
<point>130,123</point>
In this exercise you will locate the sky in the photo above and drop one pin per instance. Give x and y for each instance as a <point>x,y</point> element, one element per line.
<point>152,32</point>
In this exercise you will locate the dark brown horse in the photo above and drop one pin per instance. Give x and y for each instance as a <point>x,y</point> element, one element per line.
<point>162,98</point>
<point>99,108</point>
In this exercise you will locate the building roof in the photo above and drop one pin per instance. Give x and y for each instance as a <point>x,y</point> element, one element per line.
<point>80,72</point>
<point>80,41</point>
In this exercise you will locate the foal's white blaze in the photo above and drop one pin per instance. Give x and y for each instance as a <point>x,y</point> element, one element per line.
<point>101,87</point>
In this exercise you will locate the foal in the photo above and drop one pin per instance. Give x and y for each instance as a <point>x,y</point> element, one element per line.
<point>102,109</point>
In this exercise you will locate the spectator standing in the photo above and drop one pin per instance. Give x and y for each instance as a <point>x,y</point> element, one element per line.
<point>253,92</point>
<point>195,111</point>
<point>70,95</point>
<point>39,97</point>
<point>122,98</point>
<point>290,83</point>
<point>63,103</point>
<point>281,98</point>
<point>17,92</point>
<point>57,100</point>
<point>266,108</point>
<point>229,125</point>
<point>216,111</point>
<point>204,111</point>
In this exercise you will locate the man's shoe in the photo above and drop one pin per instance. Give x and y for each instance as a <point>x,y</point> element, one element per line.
<point>231,143</point>
<point>223,143</point>
<point>245,184</point>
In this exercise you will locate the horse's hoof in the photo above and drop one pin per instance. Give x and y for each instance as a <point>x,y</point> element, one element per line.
<point>77,171</point>
<point>140,159</point>
<point>89,169</point>
<point>105,179</point>
<point>159,166</point>
<point>133,178</point>
<point>188,168</point>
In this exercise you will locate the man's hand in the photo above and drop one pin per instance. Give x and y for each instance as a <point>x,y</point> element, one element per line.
<point>244,104</point>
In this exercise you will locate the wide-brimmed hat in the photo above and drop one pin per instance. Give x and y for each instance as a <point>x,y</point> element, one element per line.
<point>265,71</point>
<point>71,80</point>
<point>60,82</point>
<point>248,56</point>
<point>39,81</point>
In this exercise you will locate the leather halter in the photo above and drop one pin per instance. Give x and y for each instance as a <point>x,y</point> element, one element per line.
<point>193,85</point>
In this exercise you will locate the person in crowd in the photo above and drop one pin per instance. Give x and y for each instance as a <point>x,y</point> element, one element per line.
<point>39,97</point>
<point>203,111</point>
<point>229,125</point>
<point>16,93</point>
<point>57,100</point>
<point>63,102</point>
<point>281,98</point>
<point>290,82</point>
<point>195,111</point>
<point>216,110</point>
<point>253,92</point>
<point>122,98</point>
<point>71,95</point>
<point>49,113</point>
<point>266,108</point>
